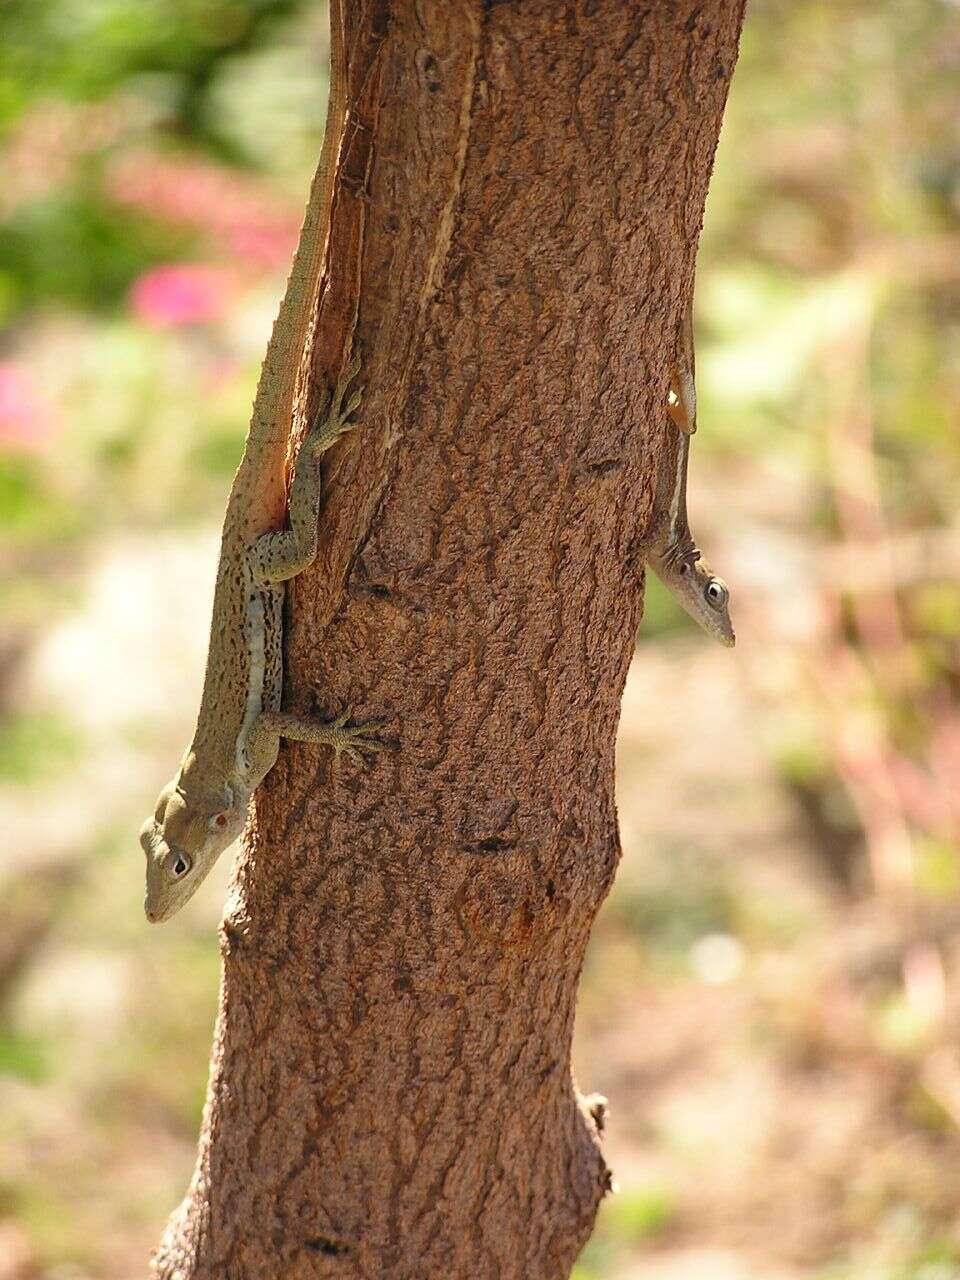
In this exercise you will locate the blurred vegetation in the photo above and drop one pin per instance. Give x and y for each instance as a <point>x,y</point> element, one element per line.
<point>771,996</point>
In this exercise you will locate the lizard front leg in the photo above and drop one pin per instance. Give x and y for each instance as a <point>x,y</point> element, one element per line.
<point>276,557</point>
<point>263,742</point>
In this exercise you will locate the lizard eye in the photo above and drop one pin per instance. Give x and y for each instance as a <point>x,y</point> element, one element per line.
<point>218,820</point>
<point>716,593</point>
<point>177,864</point>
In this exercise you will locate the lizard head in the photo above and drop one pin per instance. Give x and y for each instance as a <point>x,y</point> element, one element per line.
<point>182,841</point>
<point>706,598</point>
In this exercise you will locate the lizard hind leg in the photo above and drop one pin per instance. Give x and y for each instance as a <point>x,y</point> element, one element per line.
<point>334,421</point>
<point>277,557</point>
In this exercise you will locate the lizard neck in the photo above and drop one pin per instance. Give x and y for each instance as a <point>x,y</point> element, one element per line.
<point>680,551</point>
<point>202,787</point>
<point>669,530</point>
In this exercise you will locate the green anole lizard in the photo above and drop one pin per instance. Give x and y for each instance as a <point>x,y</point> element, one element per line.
<point>240,723</point>
<point>670,549</point>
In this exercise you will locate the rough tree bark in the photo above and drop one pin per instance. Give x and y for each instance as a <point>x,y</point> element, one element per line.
<point>517,207</point>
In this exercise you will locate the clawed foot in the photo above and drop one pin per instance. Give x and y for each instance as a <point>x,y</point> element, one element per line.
<point>334,422</point>
<point>352,741</point>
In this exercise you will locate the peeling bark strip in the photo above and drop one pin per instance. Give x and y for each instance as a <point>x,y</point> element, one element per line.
<point>390,1093</point>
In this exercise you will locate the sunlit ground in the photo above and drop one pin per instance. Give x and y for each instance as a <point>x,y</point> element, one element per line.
<point>770,1000</point>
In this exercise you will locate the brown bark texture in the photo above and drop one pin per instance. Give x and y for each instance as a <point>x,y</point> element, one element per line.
<point>519,195</point>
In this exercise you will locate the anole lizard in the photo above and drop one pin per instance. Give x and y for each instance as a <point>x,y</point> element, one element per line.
<point>670,549</point>
<point>240,724</point>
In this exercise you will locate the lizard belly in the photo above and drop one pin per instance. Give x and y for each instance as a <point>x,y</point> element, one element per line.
<point>273,599</point>
<point>263,625</point>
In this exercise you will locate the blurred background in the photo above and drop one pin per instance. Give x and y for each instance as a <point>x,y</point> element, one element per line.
<point>771,997</point>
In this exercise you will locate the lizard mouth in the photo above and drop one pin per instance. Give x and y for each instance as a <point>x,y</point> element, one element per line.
<point>156,914</point>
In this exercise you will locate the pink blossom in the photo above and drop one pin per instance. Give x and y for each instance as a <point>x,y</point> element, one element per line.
<point>171,296</point>
<point>233,209</point>
<point>25,420</point>
<point>264,245</point>
<point>221,371</point>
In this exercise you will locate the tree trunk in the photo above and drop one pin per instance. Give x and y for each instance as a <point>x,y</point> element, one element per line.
<point>519,195</point>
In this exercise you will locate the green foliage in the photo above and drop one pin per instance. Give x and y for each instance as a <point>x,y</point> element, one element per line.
<point>637,1215</point>
<point>661,613</point>
<point>627,1221</point>
<point>35,746</point>
<point>218,453</point>
<point>23,1057</point>
<point>24,507</point>
<point>682,897</point>
<point>935,609</point>
<point>87,48</point>
<point>938,1260</point>
<point>938,869</point>
<point>77,249</point>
